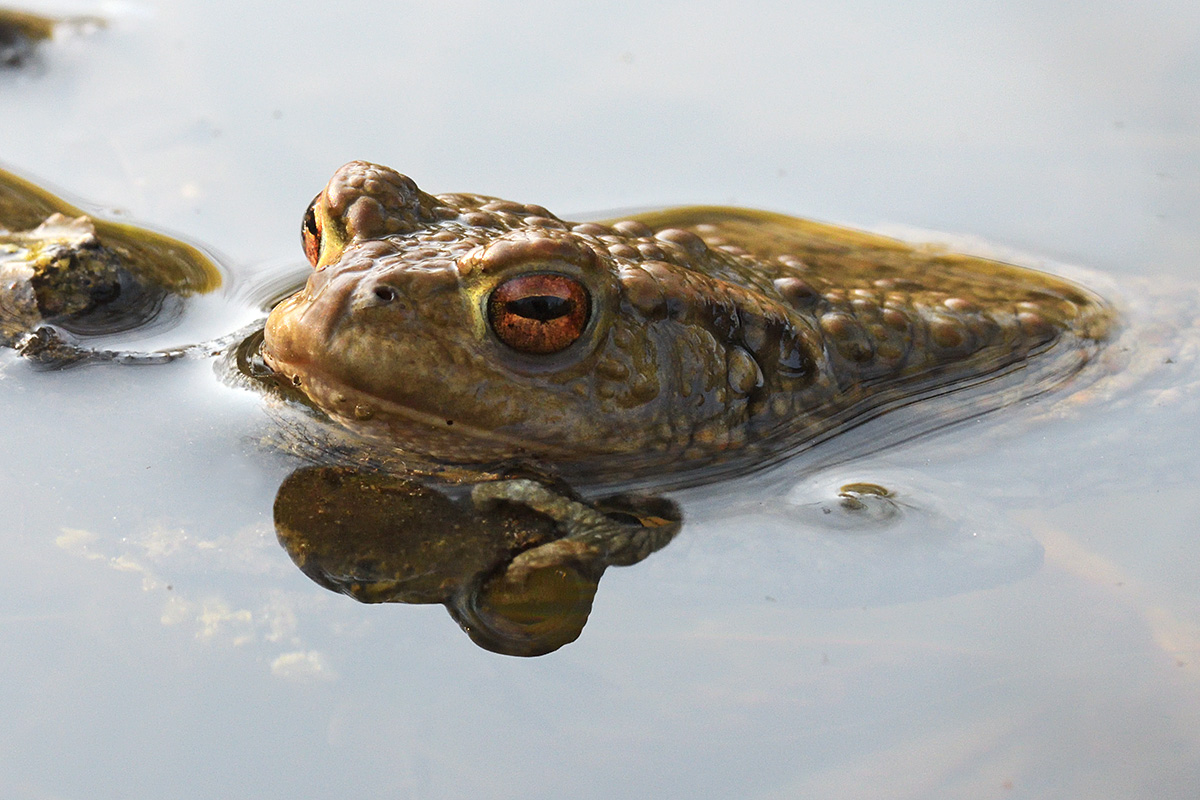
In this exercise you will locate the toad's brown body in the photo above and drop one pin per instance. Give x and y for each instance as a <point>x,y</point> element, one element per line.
<point>712,339</point>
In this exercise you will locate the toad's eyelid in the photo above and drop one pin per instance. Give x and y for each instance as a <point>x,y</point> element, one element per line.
<point>310,233</point>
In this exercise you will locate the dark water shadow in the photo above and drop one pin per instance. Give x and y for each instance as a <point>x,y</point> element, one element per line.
<point>516,563</point>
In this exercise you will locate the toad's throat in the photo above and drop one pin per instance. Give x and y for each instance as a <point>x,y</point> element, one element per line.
<point>411,430</point>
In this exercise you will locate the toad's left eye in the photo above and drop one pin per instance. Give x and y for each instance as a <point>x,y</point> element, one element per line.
<point>539,314</point>
<point>310,233</point>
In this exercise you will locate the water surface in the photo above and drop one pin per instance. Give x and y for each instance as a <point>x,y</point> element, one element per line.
<point>1030,627</point>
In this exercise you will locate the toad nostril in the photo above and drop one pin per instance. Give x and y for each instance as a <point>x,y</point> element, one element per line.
<point>385,293</point>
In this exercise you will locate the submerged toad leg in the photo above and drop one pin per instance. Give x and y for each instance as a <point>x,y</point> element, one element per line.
<point>617,531</point>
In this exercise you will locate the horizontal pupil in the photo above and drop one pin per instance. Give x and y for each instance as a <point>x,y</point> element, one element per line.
<point>541,307</point>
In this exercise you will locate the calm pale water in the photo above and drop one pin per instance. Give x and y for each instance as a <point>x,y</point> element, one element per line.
<point>1028,627</point>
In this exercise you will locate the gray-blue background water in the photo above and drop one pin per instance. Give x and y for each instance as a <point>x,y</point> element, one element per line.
<point>1031,626</point>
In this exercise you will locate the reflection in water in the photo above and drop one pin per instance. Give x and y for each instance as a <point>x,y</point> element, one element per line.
<point>515,562</point>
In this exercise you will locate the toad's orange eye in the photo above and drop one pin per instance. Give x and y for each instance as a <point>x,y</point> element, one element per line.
<point>310,233</point>
<point>539,314</point>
